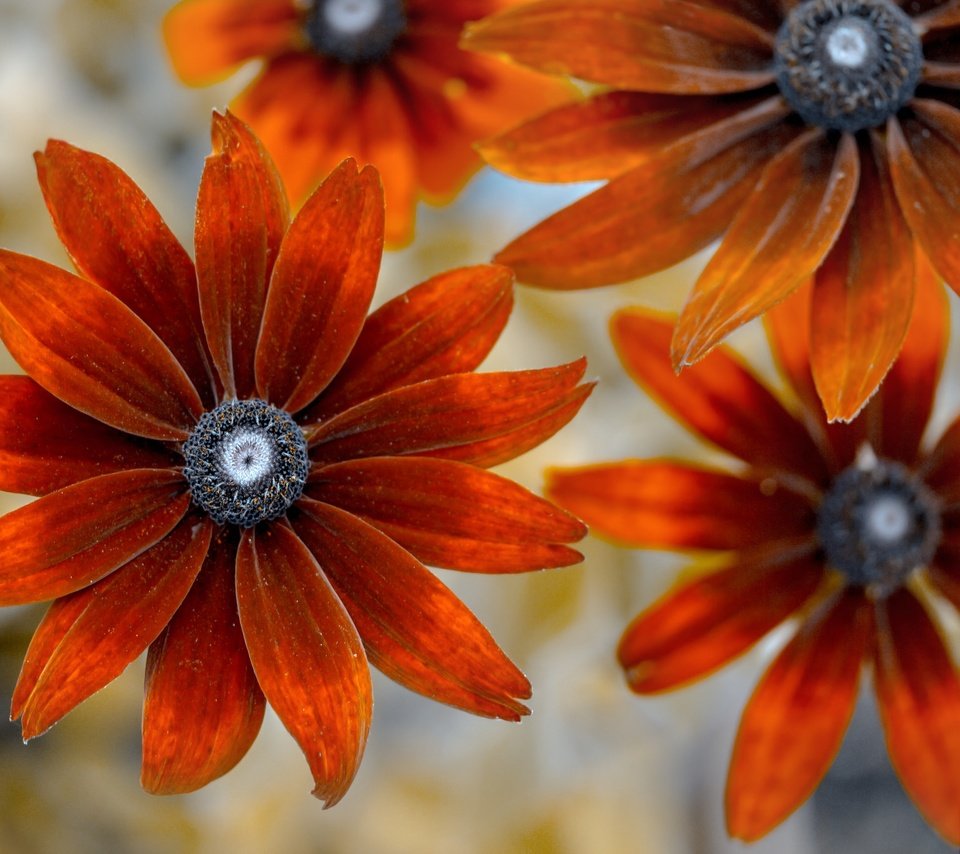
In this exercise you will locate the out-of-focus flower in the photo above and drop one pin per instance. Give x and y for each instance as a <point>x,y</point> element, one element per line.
<point>815,139</point>
<point>849,533</point>
<point>380,80</point>
<point>240,470</point>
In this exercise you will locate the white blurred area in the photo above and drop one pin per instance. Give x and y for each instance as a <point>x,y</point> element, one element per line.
<point>594,770</point>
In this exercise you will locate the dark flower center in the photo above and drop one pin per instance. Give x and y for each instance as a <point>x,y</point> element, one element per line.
<point>355,31</point>
<point>878,523</point>
<point>847,64</point>
<point>246,462</point>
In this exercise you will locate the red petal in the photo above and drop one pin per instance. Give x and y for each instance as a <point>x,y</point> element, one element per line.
<point>72,537</point>
<point>117,239</point>
<point>119,617</point>
<point>202,707</point>
<point>415,630</point>
<point>86,347</point>
<point>707,623</point>
<point>918,693</point>
<point>321,287</point>
<point>795,720</point>
<point>450,514</point>
<point>46,445</point>
<point>306,653</point>
<point>242,214</point>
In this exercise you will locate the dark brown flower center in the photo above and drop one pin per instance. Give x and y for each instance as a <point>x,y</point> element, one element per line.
<point>878,523</point>
<point>847,64</point>
<point>246,462</point>
<point>355,31</point>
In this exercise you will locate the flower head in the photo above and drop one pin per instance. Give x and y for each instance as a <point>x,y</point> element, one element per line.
<point>849,533</point>
<point>816,139</point>
<point>242,472</point>
<point>379,80</point>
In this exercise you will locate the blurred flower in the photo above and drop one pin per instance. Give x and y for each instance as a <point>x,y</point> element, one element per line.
<point>380,80</point>
<point>241,471</point>
<point>848,533</point>
<point>821,141</point>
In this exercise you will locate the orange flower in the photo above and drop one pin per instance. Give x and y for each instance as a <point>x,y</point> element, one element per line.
<point>821,141</point>
<point>241,471</point>
<point>851,533</point>
<point>380,80</point>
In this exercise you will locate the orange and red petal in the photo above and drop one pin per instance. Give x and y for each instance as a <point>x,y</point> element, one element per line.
<point>450,514</point>
<point>242,215</point>
<point>415,630</point>
<point>87,348</point>
<point>120,616</point>
<point>918,693</point>
<point>794,723</point>
<point>306,653</point>
<point>202,706</point>
<point>779,237</point>
<point>705,624</point>
<point>117,239</point>
<point>321,287</point>
<point>76,535</point>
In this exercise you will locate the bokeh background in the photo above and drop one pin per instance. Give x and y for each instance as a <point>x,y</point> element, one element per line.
<point>594,770</point>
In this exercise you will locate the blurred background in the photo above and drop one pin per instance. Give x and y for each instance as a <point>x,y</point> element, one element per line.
<point>595,769</point>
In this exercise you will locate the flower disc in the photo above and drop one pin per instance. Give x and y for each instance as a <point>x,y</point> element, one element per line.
<point>355,31</point>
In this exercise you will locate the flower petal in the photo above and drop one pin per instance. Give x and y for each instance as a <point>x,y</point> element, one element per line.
<point>121,615</point>
<point>918,693</point>
<point>87,348</point>
<point>415,630</point>
<point>306,653</point>
<point>720,400</point>
<point>70,538</point>
<point>450,514</point>
<point>662,504</point>
<point>202,707</point>
<point>117,239</point>
<point>242,214</point>
<point>794,723</point>
<point>46,445</point>
<point>321,287</point>
<point>705,624</point>
<point>779,237</point>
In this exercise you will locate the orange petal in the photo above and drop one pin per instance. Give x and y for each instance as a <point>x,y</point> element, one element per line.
<point>918,693</point>
<point>415,630</point>
<point>306,653</point>
<point>659,504</point>
<point>780,236</point>
<point>117,239</point>
<point>794,723</point>
<point>707,623</point>
<point>321,287</point>
<point>721,400</point>
<point>202,707</point>
<point>121,615</point>
<point>242,214</point>
<point>87,348</point>
<point>450,514</point>
<point>70,538</point>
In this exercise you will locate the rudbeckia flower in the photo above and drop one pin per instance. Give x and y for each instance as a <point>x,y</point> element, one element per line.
<point>243,473</point>
<point>847,533</point>
<point>380,80</point>
<point>814,139</point>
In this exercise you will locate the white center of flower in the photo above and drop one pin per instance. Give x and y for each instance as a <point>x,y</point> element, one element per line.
<point>247,456</point>
<point>351,17</point>
<point>888,519</point>
<point>848,44</point>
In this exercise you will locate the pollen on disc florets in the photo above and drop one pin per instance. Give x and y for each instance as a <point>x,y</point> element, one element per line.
<point>847,65</point>
<point>246,462</point>
<point>355,31</point>
<point>877,523</point>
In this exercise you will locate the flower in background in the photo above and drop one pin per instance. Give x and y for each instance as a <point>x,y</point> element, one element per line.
<point>241,471</point>
<point>849,533</point>
<point>814,139</point>
<point>379,80</point>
